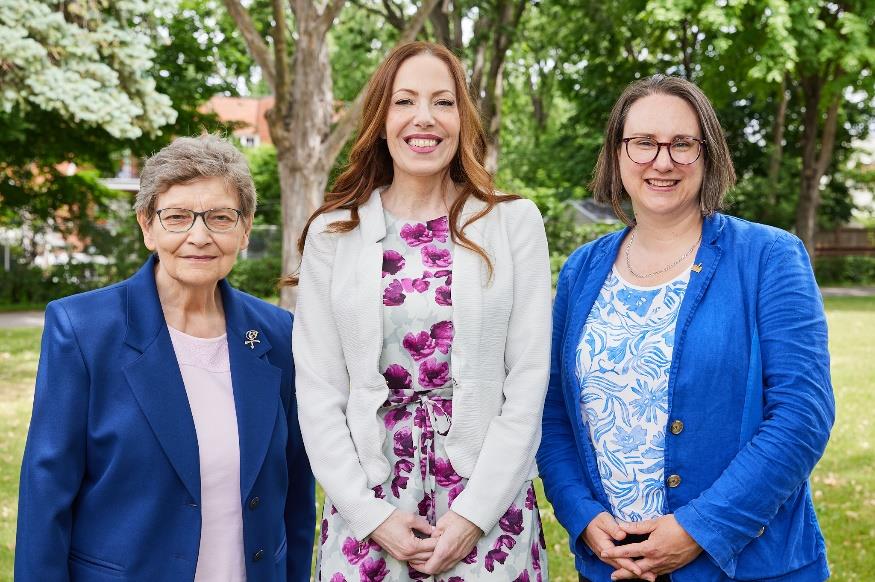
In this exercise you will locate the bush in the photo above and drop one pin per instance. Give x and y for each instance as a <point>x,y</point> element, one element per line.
<point>27,284</point>
<point>845,270</point>
<point>258,277</point>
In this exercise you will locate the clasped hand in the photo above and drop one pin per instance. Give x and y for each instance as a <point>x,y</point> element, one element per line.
<point>667,547</point>
<point>450,541</point>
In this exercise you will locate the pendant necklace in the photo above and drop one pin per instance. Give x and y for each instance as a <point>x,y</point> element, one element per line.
<point>667,267</point>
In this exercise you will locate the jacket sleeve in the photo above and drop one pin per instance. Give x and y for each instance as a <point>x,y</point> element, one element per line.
<point>300,512</point>
<point>508,450</point>
<point>322,392</point>
<point>798,411</point>
<point>574,503</point>
<point>54,457</point>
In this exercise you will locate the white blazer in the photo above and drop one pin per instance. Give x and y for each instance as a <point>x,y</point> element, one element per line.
<point>499,362</point>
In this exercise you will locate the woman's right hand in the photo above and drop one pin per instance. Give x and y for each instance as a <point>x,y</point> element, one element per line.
<point>600,535</point>
<point>395,535</point>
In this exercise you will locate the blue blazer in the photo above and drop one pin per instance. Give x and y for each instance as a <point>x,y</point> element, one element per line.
<point>110,482</point>
<point>750,382</point>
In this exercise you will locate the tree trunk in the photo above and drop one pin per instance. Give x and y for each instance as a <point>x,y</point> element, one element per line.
<point>302,188</point>
<point>814,162</point>
<point>302,130</point>
<point>505,22</point>
<point>778,143</point>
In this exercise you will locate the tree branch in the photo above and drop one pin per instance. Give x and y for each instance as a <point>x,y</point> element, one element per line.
<point>367,8</point>
<point>414,25</point>
<point>256,45</point>
<point>326,19</point>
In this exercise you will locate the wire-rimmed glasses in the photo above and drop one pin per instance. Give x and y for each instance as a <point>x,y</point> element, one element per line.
<point>683,150</point>
<point>182,219</point>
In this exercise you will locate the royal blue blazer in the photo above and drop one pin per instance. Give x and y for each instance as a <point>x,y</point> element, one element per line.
<point>749,380</point>
<point>110,482</point>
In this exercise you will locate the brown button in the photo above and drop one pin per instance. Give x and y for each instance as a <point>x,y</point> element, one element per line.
<point>762,531</point>
<point>673,480</point>
<point>253,503</point>
<point>677,427</point>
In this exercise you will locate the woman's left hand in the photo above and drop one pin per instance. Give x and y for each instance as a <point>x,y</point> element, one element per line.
<point>667,548</point>
<point>456,538</point>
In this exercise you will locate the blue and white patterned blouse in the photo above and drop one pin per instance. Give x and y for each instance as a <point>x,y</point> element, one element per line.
<point>623,361</point>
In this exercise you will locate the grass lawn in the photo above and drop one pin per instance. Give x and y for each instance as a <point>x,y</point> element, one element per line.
<point>843,483</point>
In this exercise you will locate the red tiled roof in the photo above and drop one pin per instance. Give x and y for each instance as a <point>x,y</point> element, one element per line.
<point>249,111</point>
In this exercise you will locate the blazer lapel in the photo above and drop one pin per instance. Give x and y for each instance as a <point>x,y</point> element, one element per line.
<point>256,384</point>
<point>156,382</point>
<point>469,280</point>
<point>368,333</point>
<point>704,267</point>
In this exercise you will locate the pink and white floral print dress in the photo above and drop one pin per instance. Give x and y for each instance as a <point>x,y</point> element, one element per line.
<point>418,335</point>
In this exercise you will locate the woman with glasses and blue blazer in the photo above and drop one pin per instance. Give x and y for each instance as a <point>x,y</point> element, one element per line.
<point>164,443</point>
<point>690,395</point>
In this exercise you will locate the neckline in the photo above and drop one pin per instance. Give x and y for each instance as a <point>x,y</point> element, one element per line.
<point>684,275</point>
<point>205,340</point>
<point>392,218</point>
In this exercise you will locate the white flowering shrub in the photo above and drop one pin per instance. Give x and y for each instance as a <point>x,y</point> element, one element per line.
<point>87,60</point>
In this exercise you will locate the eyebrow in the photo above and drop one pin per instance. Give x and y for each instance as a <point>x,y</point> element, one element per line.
<point>417,93</point>
<point>653,135</point>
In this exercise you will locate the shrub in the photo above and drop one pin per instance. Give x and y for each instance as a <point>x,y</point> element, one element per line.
<point>845,270</point>
<point>257,277</point>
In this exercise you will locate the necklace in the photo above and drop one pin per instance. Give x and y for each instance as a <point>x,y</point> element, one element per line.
<point>667,267</point>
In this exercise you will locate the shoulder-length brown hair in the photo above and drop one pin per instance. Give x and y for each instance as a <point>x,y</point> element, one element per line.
<point>606,185</point>
<point>370,165</point>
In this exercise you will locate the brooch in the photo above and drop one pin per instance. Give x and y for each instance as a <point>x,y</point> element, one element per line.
<point>252,339</point>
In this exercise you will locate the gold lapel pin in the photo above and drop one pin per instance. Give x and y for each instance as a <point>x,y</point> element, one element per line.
<point>697,267</point>
<point>252,339</point>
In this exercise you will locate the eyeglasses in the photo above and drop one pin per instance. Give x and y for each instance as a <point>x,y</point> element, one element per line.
<point>182,219</point>
<point>683,151</point>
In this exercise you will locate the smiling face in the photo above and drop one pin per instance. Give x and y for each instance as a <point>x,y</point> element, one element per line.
<point>662,187</point>
<point>198,258</point>
<point>422,123</point>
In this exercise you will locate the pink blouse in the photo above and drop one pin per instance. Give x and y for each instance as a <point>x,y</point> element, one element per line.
<point>206,373</point>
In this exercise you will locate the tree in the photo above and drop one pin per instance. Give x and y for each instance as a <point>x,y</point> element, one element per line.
<point>88,82</point>
<point>292,51</point>
<point>71,78</point>
<point>792,84</point>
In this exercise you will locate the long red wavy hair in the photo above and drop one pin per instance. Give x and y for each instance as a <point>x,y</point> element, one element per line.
<point>370,165</point>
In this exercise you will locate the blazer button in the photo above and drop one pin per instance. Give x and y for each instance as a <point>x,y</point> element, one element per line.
<point>253,503</point>
<point>673,480</point>
<point>762,531</point>
<point>677,427</point>
<point>258,555</point>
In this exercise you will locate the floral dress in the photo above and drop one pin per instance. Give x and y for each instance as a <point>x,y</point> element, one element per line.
<point>418,335</point>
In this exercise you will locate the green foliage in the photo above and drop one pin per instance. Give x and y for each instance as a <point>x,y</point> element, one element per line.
<point>263,166</point>
<point>160,61</point>
<point>259,277</point>
<point>564,235</point>
<point>567,70</point>
<point>845,270</point>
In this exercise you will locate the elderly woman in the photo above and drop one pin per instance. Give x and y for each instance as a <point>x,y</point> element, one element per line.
<point>423,344</point>
<point>690,395</point>
<point>164,443</point>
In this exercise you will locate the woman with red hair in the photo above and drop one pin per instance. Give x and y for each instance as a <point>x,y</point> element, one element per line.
<point>422,343</point>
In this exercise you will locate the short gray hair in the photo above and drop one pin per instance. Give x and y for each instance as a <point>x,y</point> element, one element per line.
<point>187,159</point>
<point>606,185</point>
